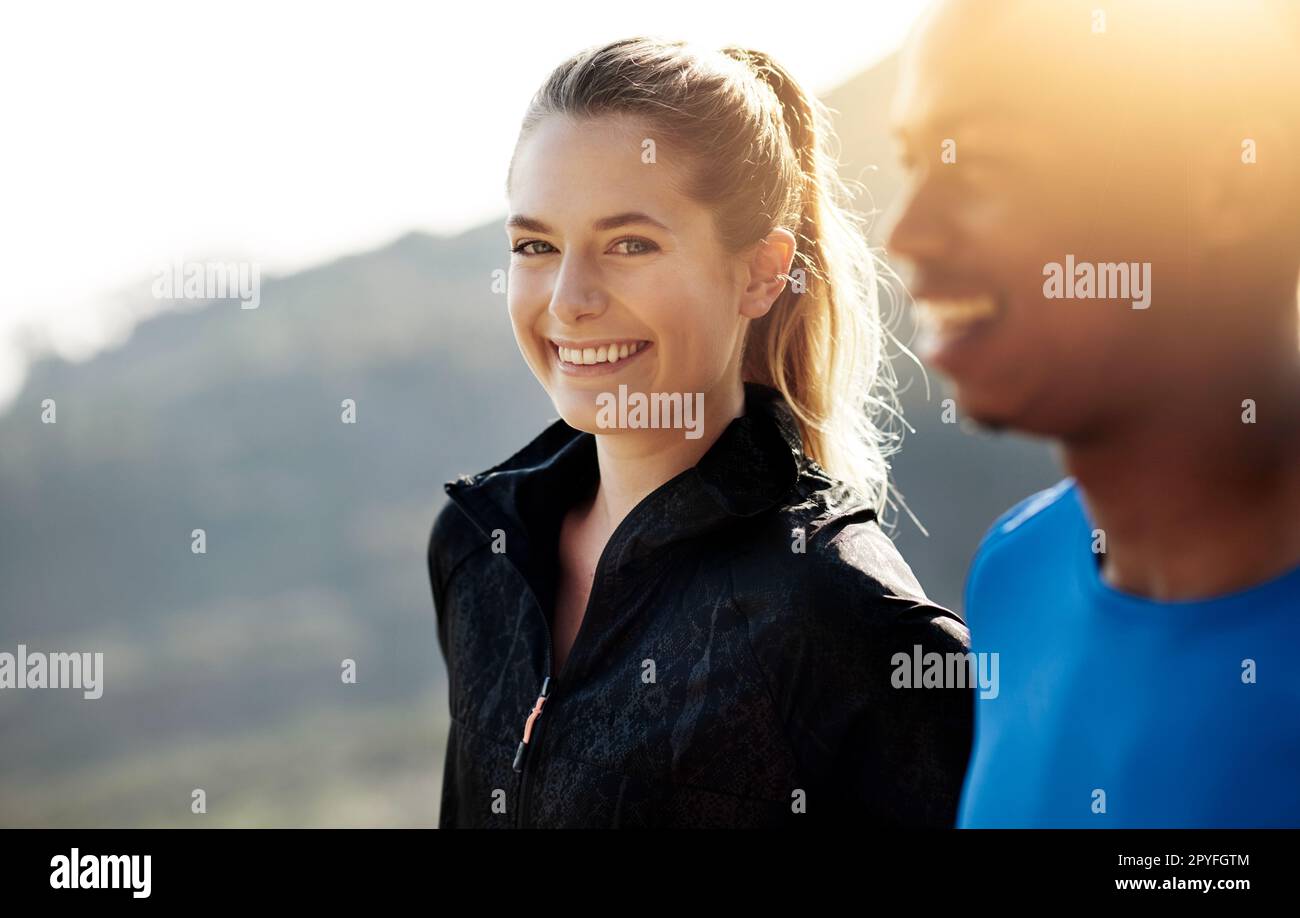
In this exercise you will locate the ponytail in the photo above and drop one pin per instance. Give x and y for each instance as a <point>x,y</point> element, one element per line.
<point>823,342</point>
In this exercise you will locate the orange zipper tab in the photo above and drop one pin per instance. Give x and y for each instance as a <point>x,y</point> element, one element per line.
<point>528,725</point>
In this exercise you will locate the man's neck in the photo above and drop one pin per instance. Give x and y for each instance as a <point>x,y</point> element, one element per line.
<point>1196,505</point>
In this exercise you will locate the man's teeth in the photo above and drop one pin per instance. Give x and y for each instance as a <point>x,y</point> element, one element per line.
<point>947,311</point>
<point>602,353</point>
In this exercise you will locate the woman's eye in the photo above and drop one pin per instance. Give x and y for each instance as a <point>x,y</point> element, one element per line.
<point>638,245</point>
<point>523,247</point>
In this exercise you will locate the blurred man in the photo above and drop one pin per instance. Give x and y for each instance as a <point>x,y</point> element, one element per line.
<point>1103,215</point>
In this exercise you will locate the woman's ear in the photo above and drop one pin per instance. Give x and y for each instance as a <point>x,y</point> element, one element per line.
<point>768,268</point>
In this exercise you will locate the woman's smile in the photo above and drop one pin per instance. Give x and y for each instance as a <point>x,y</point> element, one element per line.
<point>596,357</point>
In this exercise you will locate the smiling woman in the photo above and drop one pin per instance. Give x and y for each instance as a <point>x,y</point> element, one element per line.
<point>643,628</point>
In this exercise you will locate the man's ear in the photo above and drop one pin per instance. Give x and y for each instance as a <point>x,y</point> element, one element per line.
<point>768,268</point>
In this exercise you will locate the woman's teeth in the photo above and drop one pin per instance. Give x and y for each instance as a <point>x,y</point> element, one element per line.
<point>952,312</point>
<point>602,353</point>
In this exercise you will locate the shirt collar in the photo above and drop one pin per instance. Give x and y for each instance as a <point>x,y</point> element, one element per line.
<point>752,465</point>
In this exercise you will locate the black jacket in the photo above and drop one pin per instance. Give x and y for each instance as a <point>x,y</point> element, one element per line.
<point>720,676</point>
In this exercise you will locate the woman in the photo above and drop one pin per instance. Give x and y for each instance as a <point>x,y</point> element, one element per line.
<point>675,607</point>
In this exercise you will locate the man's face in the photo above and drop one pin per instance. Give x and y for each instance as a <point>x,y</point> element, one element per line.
<point>1003,180</point>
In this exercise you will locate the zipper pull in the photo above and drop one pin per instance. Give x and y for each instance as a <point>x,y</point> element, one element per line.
<point>528,725</point>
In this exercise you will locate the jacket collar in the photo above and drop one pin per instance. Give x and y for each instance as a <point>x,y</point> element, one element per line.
<point>753,465</point>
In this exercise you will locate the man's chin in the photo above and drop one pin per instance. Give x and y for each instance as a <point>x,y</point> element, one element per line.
<point>989,424</point>
<point>984,413</point>
<point>1027,417</point>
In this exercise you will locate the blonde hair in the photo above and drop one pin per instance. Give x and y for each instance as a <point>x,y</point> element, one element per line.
<point>762,157</point>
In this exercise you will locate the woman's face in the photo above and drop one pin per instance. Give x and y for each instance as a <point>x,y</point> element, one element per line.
<point>616,278</point>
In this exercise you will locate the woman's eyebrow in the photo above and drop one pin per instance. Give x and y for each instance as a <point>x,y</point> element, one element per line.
<point>519,221</point>
<point>626,219</point>
<point>533,225</point>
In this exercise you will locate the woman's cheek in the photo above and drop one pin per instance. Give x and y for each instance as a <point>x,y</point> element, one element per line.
<point>522,301</point>
<point>517,295</point>
<point>695,340</point>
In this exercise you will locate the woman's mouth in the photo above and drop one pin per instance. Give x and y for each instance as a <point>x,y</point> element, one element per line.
<point>597,358</point>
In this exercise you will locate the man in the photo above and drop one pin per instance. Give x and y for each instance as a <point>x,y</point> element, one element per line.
<point>1103,215</point>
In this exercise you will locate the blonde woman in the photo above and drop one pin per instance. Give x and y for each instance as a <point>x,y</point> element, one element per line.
<point>676,607</point>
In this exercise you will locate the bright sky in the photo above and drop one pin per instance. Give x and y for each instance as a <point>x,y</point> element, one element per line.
<point>139,133</point>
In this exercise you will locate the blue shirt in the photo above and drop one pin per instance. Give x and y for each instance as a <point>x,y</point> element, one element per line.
<point>1117,711</point>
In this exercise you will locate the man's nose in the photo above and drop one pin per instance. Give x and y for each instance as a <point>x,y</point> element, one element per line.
<point>918,231</point>
<point>579,292</point>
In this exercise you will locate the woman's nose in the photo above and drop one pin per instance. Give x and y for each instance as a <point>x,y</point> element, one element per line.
<point>578,292</point>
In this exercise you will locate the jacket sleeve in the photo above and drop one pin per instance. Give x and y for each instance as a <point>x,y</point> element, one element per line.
<point>904,755</point>
<point>452,540</point>
<point>445,549</point>
<point>873,752</point>
<point>437,572</point>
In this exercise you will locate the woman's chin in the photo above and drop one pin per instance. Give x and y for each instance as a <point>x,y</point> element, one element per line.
<point>577,409</point>
<point>600,412</point>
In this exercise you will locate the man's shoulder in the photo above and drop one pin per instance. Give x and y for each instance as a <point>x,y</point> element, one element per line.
<point>1017,541</point>
<point>1035,517</point>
